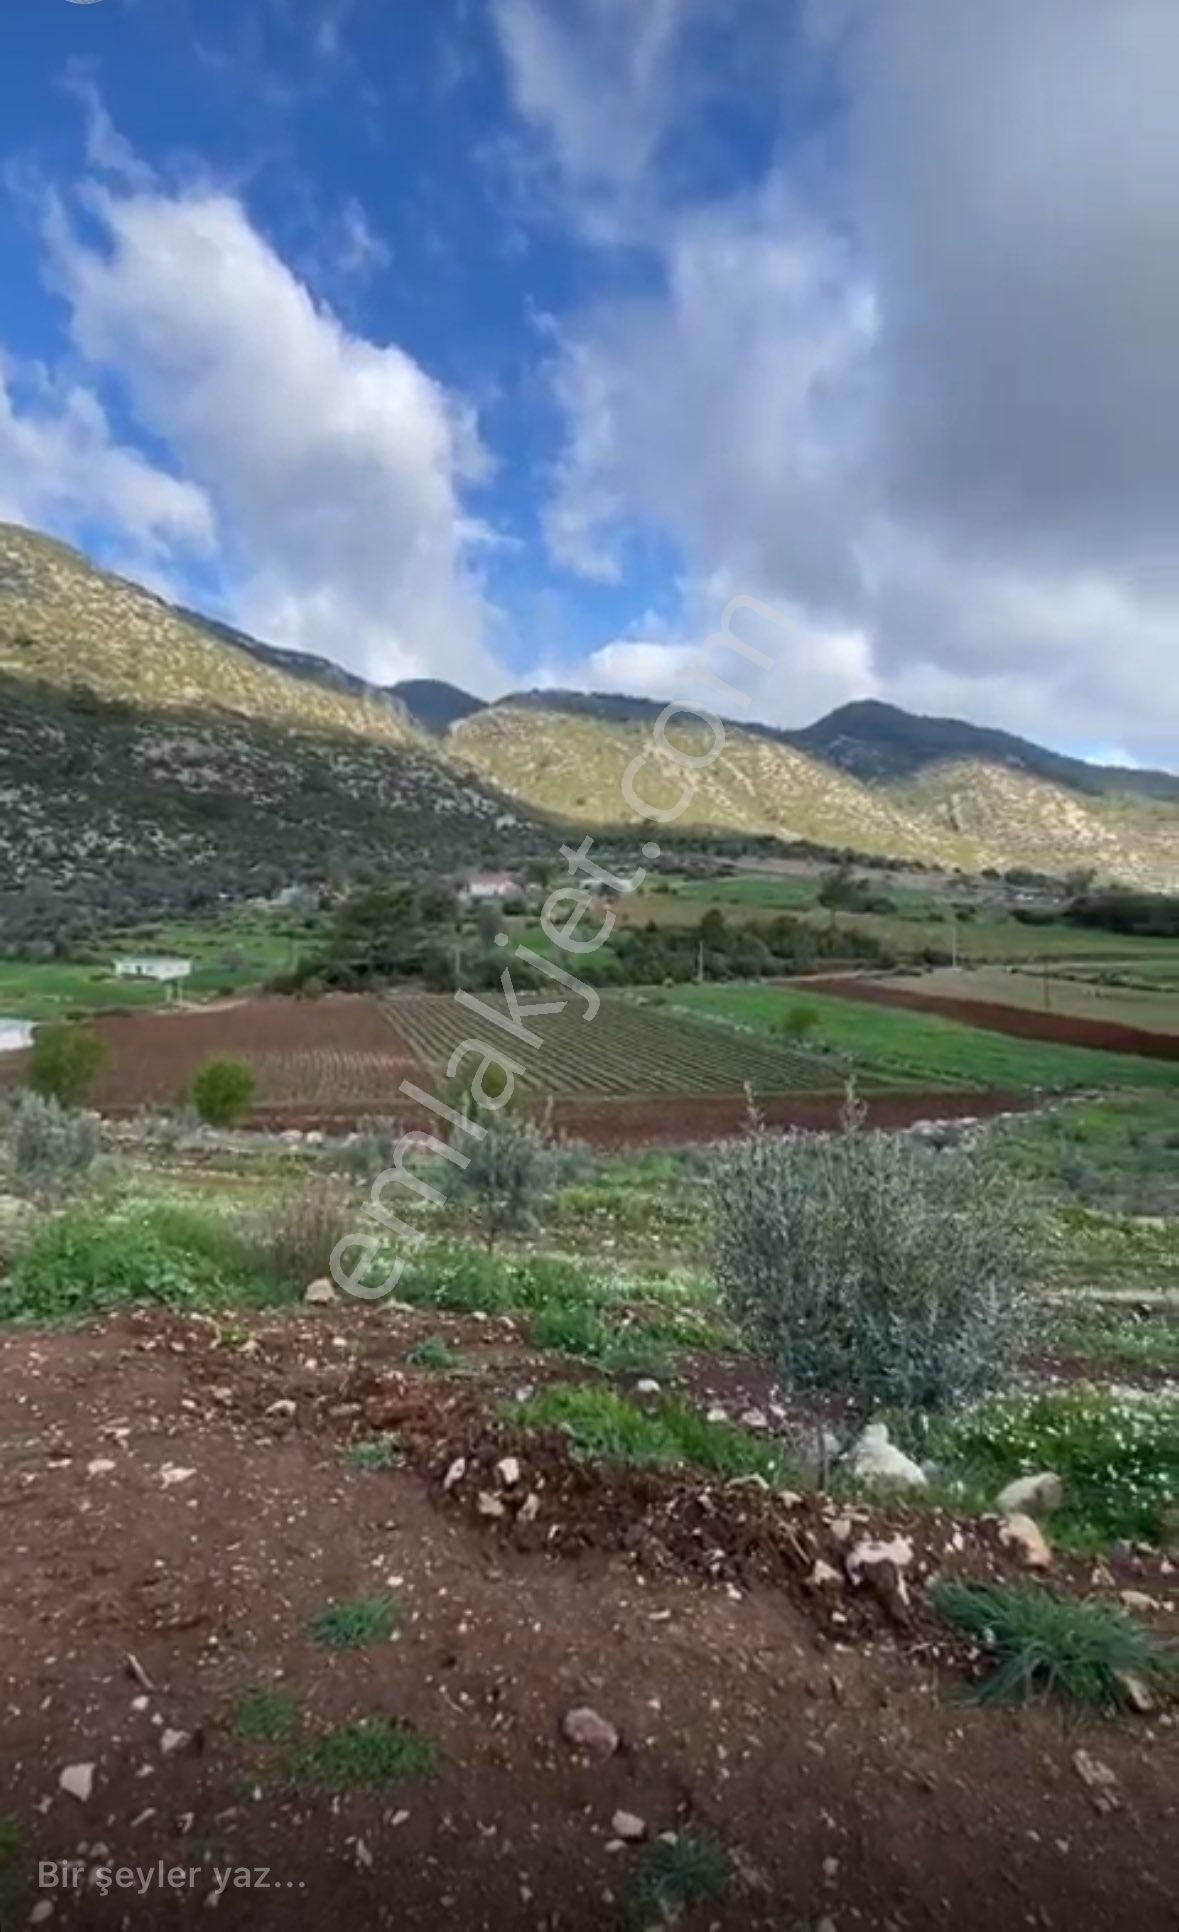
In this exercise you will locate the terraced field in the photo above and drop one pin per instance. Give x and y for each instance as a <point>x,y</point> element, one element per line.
<point>628,1049</point>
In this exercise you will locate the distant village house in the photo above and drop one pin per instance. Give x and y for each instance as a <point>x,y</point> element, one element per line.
<point>162,970</point>
<point>484,886</point>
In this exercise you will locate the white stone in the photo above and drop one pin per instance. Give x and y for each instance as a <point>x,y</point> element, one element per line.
<point>1024,1535</point>
<point>320,1292</point>
<point>1031,1496</point>
<point>877,1460</point>
<point>77,1780</point>
<point>508,1471</point>
<point>628,1827</point>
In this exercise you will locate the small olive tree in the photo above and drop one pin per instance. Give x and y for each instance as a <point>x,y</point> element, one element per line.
<point>51,1150</point>
<point>223,1092</point>
<point>65,1061</point>
<point>875,1265</point>
<point>510,1171</point>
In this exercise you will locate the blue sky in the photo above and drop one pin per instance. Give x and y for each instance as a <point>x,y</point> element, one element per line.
<point>505,340</point>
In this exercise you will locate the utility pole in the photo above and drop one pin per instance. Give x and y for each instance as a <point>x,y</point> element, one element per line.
<point>700,962</point>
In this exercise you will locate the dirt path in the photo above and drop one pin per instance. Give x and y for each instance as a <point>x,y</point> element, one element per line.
<point>833,1763</point>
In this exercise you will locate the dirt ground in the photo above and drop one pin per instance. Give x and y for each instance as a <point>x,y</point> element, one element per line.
<point>1022,1023</point>
<point>156,1504</point>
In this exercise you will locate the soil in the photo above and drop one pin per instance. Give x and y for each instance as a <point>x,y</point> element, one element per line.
<point>993,1017</point>
<point>818,1734</point>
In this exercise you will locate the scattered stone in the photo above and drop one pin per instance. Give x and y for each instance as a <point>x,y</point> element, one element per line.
<point>877,1460</point>
<point>171,1474</point>
<point>319,1293</point>
<point>647,1386</point>
<point>586,1731</point>
<point>173,1741</point>
<point>41,1911</point>
<point>717,1413</point>
<point>1137,1692</point>
<point>880,1568</point>
<point>1138,1600</point>
<point>77,1781</point>
<point>285,1406</point>
<point>867,1554</point>
<point>364,1857</point>
<point>529,1509</point>
<point>135,1670</point>
<point>628,1827</point>
<point>455,1473</point>
<point>824,1576</point>
<point>508,1471</point>
<point>755,1419</point>
<point>141,1702</point>
<point>489,1505</point>
<point>1031,1496</point>
<point>1098,1779</point>
<point>1024,1535</point>
<point>101,1466</point>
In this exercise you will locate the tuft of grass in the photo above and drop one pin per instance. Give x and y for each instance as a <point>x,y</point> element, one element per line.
<point>373,1454</point>
<point>1049,1646</point>
<point>433,1353</point>
<point>367,1756</point>
<point>89,1260</point>
<point>667,1434</point>
<point>356,1623</point>
<point>674,1873</point>
<point>265,1716</point>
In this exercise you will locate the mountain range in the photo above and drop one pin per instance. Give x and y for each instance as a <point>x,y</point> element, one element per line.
<point>146,750</point>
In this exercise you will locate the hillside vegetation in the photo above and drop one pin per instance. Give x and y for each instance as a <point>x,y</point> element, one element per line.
<point>967,813</point>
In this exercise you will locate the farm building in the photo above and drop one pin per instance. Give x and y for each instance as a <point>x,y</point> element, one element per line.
<point>482,886</point>
<point>157,969</point>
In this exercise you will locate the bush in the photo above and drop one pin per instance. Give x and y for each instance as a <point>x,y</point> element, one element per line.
<point>223,1091</point>
<point>509,1173</point>
<point>366,1153</point>
<point>873,1264</point>
<point>292,1242</point>
<point>83,1263</point>
<point>51,1150</point>
<point>65,1061</point>
<point>799,1022</point>
<point>1045,1646</point>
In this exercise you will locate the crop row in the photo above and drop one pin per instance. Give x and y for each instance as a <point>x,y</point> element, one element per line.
<point>625,1049</point>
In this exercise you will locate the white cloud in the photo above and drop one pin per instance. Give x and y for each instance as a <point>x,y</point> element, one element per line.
<point>335,463</point>
<point>920,385</point>
<point>60,463</point>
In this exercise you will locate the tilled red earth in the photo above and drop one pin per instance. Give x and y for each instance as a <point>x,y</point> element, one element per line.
<point>157,1503</point>
<point>1021,1023</point>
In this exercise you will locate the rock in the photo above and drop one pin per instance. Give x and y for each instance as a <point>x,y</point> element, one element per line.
<point>717,1414</point>
<point>101,1466</point>
<point>319,1293</point>
<point>754,1419</point>
<point>1099,1780</point>
<point>529,1509</point>
<point>1136,1692</point>
<point>867,1554</point>
<point>1138,1600</point>
<point>283,1408</point>
<point>1031,1496</point>
<point>173,1741</point>
<point>508,1471</point>
<point>77,1780</point>
<point>586,1731</point>
<point>1024,1535</point>
<point>41,1911</point>
<point>170,1475</point>
<point>824,1576</point>
<point>455,1473</point>
<point>628,1827</point>
<point>877,1460</point>
<point>489,1505</point>
<point>647,1386</point>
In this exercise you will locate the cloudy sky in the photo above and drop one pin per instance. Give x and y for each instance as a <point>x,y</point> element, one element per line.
<point>504,340</point>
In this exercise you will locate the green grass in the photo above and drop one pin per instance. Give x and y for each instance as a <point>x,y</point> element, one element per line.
<point>265,1716</point>
<point>917,1048</point>
<point>602,1425</point>
<point>374,1454</point>
<point>1118,1460</point>
<point>1121,1155</point>
<point>1047,1646</point>
<point>1127,1341</point>
<point>672,1875</point>
<point>371,1755</point>
<point>54,990</point>
<point>356,1623</point>
<point>90,1259</point>
<point>433,1353</point>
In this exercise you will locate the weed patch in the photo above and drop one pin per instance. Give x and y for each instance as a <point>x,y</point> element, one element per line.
<point>265,1717</point>
<point>357,1623</point>
<point>673,1874</point>
<point>373,1454</point>
<point>368,1756</point>
<point>1048,1646</point>
<point>84,1262</point>
<point>602,1424</point>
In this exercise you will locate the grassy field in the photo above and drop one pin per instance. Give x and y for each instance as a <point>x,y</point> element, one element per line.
<point>878,1043</point>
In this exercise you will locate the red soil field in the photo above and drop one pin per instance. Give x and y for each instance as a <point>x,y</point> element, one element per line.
<point>1019,1022</point>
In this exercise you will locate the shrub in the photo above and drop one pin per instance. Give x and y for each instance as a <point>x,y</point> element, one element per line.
<point>509,1173</point>
<point>223,1091</point>
<point>65,1061</point>
<point>1053,1646</point>
<point>292,1241</point>
<point>799,1022</point>
<point>83,1263</point>
<point>50,1149</point>
<point>873,1264</point>
<point>366,1153</point>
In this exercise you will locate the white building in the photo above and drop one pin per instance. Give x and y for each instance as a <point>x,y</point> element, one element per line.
<point>157,969</point>
<point>482,886</point>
